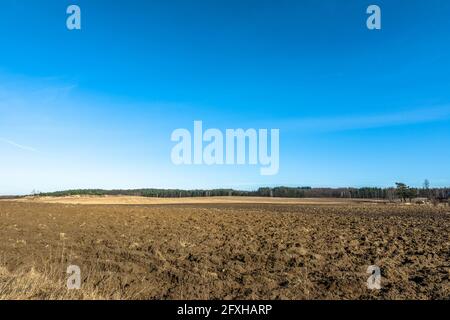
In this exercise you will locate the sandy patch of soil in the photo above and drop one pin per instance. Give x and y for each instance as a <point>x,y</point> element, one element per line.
<point>197,200</point>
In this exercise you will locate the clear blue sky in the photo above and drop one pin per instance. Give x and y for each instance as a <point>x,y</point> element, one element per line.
<point>96,107</point>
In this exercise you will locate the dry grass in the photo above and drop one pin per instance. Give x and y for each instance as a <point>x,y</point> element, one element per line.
<point>32,284</point>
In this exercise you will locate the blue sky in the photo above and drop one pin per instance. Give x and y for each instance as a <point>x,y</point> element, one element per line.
<point>95,108</point>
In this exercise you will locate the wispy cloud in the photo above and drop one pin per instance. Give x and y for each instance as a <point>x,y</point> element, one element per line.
<point>353,122</point>
<point>17,145</point>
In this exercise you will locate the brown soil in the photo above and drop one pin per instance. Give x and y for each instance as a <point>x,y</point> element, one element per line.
<point>224,251</point>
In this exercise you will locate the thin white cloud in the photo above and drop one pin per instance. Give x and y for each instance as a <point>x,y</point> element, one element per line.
<point>17,145</point>
<point>353,122</point>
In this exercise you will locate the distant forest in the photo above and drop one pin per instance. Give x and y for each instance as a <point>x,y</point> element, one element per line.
<point>402,192</point>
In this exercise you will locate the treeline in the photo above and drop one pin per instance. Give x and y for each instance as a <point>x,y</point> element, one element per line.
<point>10,197</point>
<point>403,192</point>
<point>159,193</point>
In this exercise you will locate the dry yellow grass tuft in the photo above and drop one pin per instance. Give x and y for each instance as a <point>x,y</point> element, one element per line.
<point>36,285</point>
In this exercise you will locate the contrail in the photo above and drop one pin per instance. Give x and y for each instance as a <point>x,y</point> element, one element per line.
<point>12,143</point>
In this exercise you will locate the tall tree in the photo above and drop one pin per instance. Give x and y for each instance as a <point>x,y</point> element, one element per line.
<point>403,191</point>
<point>426,186</point>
